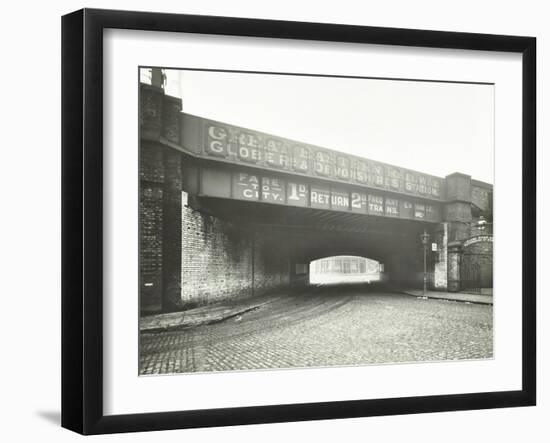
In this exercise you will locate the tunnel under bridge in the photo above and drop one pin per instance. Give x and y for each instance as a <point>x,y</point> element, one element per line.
<point>227,212</point>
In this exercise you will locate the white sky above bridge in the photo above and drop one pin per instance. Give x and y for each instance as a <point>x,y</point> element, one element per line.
<point>436,128</point>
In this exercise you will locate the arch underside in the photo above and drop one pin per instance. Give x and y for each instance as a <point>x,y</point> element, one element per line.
<point>309,235</point>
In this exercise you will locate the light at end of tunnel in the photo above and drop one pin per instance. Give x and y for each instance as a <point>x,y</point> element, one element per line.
<point>345,269</point>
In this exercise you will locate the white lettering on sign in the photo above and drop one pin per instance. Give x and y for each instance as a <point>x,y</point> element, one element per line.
<point>392,207</point>
<point>319,197</point>
<point>274,145</point>
<point>247,154</point>
<point>376,175</point>
<point>358,202</point>
<point>217,147</point>
<point>249,140</point>
<point>392,178</point>
<point>419,211</point>
<point>359,171</point>
<point>376,204</point>
<point>300,160</point>
<point>272,190</point>
<point>341,169</point>
<point>249,193</point>
<point>297,191</point>
<point>477,239</point>
<point>218,143</point>
<point>248,186</point>
<point>322,163</point>
<point>276,153</point>
<point>321,156</point>
<point>339,200</point>
<point>297,194</point>
<point>249,147</point>
<point>217,133</point>
<point>342,172</point>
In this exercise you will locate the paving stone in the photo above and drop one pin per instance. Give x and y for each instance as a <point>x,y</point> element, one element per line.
<point>334,326</point>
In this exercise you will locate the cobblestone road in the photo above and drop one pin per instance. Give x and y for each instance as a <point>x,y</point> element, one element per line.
<point>344,325</point>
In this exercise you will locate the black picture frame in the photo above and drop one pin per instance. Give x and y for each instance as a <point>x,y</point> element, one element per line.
<point>82,215</point>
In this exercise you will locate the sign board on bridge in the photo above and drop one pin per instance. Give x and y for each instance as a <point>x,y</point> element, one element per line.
<point>268,188</point>
<point>239,145</point>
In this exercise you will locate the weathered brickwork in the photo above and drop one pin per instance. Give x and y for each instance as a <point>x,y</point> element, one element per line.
<point>217,258</point>
<point>220,260</point>
<point>171,120</point>
<point>468,200</point>
<point>150,111</point>
<point>188,257</point>
<point>151,167</point>
<point>150,206</point>
<point>482,197</point>
<point>171,229</point>
<point>458,187</point>
<point>151,173</point>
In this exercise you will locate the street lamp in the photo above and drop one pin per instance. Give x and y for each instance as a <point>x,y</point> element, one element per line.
<point>424,238</point>
<point>481,223</point>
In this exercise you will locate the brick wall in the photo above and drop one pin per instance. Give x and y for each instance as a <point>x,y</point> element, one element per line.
<point>188,257</point>
<point>171,229</point>
<point>151,174</point>
<point>218,260</point>
<point>481,197</point>
<point>223,261</point>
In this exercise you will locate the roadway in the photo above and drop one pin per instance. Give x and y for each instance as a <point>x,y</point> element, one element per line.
<point>329,325</point>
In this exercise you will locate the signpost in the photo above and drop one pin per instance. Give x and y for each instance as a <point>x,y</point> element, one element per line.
<point>425,238</point>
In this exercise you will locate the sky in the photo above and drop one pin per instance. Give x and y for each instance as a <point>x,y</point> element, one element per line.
<point>436,128</point>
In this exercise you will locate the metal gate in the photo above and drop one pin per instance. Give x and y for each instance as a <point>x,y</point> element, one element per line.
<point>476,272</point>
<point>470,274</point>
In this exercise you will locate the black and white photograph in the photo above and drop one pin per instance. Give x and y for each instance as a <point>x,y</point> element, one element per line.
<point>275,221</point>
<point>290,220</point>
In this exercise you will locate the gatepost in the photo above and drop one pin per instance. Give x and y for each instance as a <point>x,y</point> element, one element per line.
<point>458,216</point>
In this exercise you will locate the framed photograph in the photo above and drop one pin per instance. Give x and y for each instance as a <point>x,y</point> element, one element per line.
<point>269,221</point>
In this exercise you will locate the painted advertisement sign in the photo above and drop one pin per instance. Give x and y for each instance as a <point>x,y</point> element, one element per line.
<point>477,239</point>
<point>269,189</point>
<point>240,145</point>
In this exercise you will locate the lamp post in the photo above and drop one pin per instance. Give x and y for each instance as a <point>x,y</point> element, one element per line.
<point>424,238</point>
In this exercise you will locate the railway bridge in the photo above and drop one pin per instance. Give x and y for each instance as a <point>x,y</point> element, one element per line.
<point>227,211</point>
